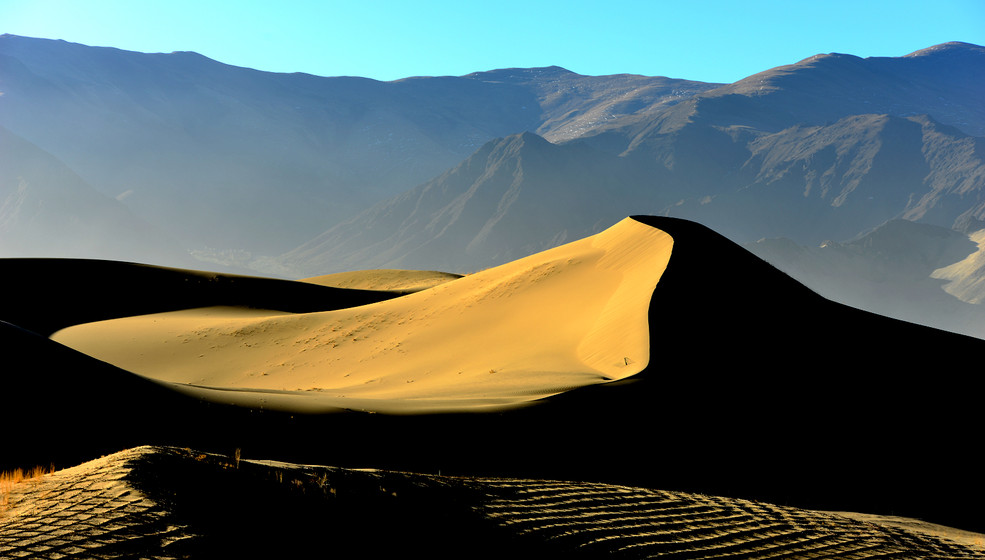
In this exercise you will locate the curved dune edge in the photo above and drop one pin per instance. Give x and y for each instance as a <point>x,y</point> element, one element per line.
<point>569,317</point>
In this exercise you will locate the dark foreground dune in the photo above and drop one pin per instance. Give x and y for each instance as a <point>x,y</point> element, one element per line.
<point>757,388</point>
<point>176,503</point>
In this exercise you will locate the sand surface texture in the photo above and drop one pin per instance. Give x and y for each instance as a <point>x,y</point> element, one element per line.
<point>161,502</point>
<point>565,318</point>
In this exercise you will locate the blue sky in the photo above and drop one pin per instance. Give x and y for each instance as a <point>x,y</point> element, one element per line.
<point>707,40</point>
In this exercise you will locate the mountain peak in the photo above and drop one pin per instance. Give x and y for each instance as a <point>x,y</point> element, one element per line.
<point>528,136</point>
<point>525,138</point>
<point>949,47</point>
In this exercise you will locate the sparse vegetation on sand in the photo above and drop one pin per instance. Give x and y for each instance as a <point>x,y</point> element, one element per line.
<point>9,479</point>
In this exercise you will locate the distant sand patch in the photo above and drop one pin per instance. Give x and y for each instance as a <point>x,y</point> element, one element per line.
<point>569,317</point>
<point>966,278</point>
<point>384,279</point>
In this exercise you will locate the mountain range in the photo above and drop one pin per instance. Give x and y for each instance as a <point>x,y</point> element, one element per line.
<point>233,158</point>
<point>809,165</point>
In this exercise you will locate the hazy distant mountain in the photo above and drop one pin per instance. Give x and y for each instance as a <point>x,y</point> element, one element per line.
<point>817,183</point>
<point>891,270</point>
<point>522,194</point>
<point>789,153</point>
<point>47,210</point>
<point>944,82</point>
<point>806,119</point>
<point>515,196</point>
<point>234,158</point>
<point>822,149</point>
<point>574,106</point>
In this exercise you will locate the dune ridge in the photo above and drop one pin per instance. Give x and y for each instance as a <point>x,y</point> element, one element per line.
<point>569,317</point>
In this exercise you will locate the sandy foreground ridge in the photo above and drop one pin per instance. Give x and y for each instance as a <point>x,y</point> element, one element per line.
<point>161,502</point>
<point>547,399</point>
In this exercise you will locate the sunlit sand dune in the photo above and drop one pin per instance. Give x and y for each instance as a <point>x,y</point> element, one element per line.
<point>569,317</point>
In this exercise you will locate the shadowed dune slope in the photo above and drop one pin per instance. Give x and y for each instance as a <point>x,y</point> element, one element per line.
<point>177,503</point>
<point>63,407</point>
<point>755,387</point>
<point>51,294</point>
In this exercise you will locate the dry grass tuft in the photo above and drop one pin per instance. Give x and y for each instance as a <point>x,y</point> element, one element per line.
<point>9,479</point>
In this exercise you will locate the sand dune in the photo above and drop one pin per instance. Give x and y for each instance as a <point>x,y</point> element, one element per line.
<point>739,381</point>
<point>569,317</point>
<point>166,502</point>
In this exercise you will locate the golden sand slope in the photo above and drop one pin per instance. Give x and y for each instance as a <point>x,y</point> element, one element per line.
<point>569,317</point>
<point>159,502</point>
